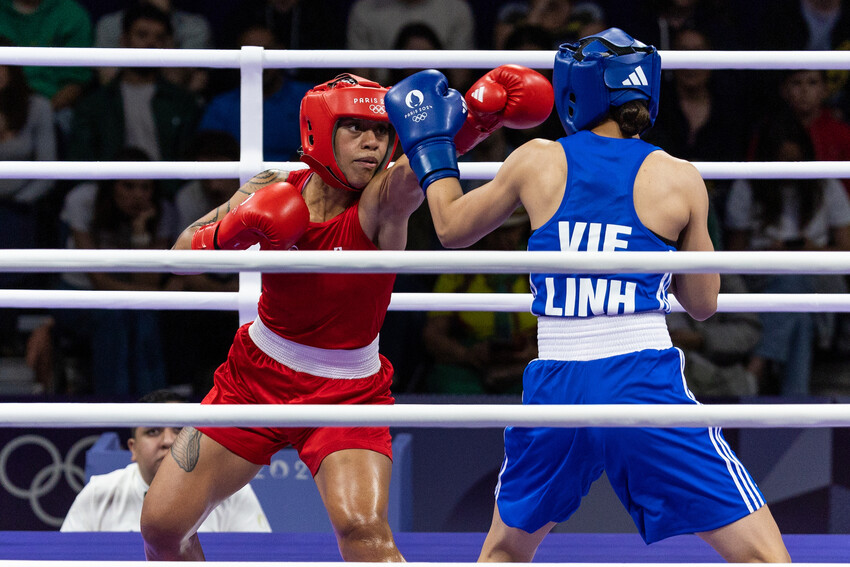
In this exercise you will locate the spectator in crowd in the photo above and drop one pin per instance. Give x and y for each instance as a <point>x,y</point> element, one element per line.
<point>718,349</point>
<point>530,37</point>
<point>701,118</point>
<point>281,100</point>
<point>49,23</point>
<point>296,24</point>
<point>662,20</point>
<point>698,120</point>
<point>190,31</point>
<point>26,134</point>
<point>138,108</point>
<point>805,92</point>
<point>375,24</point>
<point>479,352</point>
<point>124,344</point>
<point>793,214</point>
<point>563,20</point>
<point>418,36</point>
<point>197,341</point>
<point>112,502</point>
<point>198,197</point>
<point>796,25</point>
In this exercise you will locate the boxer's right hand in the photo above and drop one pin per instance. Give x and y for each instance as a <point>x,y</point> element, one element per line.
<point>426,115</point>
<point>275,216</point>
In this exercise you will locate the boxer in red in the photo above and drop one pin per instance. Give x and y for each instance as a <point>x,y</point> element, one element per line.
<point>315,340</point>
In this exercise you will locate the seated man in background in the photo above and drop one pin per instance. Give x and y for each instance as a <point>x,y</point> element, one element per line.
<point>113,502</point>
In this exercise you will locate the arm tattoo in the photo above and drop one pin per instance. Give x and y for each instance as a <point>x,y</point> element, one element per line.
<point>186,448</point>
<point>199,224</point>
<point>268,176</point>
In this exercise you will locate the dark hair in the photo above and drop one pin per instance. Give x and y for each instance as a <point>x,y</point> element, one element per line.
<point>141,10</point>
<point>632,117</point>
<point>159,397</point>
<point>214,144</point>
<point>15,97</point>
<point>107,217</point>
<point>690,27</point>
<point>771,137</point>
<point>162,396</point>
<point>417,29</point>
<point>529,34</point>
<point>785,75</point>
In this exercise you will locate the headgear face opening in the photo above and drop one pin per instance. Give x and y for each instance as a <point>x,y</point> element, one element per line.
<point>601,71</point>
<point>346,96</point>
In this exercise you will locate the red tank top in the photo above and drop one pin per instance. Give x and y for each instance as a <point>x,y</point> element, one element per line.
<point>338,311</point>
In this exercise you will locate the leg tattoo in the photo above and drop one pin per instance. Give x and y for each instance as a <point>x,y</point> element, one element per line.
<point>186,448</point>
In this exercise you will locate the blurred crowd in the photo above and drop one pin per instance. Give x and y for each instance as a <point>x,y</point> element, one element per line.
<point>172,114</point>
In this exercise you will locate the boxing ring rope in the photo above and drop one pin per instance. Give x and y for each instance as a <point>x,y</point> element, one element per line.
<point>421,261</point>
<point>491,302</point>
<point>760,416</point>
<point>448,58</point>
<point>478,170</point>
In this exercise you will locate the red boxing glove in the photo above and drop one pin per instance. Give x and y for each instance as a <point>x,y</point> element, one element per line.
<point>275,216</point>
<point>509,95</point>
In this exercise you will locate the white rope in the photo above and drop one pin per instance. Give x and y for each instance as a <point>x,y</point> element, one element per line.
<point>421,261</point>
<point>468,170</point>
<point>473,59</point>
<point>490,302</point>
<point>425,415</point>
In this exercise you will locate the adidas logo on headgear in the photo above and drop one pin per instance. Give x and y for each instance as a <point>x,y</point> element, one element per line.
<point>636,78</point>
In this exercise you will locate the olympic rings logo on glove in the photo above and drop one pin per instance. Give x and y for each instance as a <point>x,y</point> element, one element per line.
<point>45,480</point>
<point>378,108</point>
<point>420,117</point>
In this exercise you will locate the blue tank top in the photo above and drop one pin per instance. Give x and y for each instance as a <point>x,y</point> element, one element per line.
<point>597,214</point>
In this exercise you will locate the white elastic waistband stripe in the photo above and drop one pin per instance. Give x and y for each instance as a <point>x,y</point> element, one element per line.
<point>327,363</point>
<point>591,338</point>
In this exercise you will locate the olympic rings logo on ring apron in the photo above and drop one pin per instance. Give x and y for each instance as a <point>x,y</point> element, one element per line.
<point>45,480</point>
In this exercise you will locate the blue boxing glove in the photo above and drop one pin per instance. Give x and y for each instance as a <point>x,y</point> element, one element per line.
<point>426,115</point>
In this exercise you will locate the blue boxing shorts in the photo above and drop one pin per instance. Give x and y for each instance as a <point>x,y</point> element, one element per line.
<point>672,481</point>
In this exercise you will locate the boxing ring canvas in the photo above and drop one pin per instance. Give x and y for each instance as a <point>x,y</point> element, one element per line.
<point>431,547</point>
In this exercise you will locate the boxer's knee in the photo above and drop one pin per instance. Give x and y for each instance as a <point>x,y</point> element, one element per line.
<point>365,537</point>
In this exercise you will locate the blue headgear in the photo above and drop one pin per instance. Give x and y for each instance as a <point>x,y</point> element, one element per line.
<point>601,71</point>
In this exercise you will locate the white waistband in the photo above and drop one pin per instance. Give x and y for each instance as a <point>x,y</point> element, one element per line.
<point>591,338</point>
<point>324,362</point>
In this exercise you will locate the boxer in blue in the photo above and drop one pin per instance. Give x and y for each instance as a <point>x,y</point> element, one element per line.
<point>602,339</point>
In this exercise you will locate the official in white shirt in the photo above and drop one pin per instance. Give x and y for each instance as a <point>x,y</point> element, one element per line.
<point>113,502</point>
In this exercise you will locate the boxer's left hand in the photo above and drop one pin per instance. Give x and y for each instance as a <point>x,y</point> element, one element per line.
<point>426,115</point>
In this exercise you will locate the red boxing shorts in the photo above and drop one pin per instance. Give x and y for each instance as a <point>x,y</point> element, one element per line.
<point>250,376</point>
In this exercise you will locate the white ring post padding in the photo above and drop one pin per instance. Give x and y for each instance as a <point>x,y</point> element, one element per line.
<point>421,261</point>
<point>490,302</point>
<point>250,157</point>
<point>425,415</point>
<point>448,58</point>
<point>468,170</point>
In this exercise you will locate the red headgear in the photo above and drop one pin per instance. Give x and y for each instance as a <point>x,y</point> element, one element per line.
<point>347,96</point>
